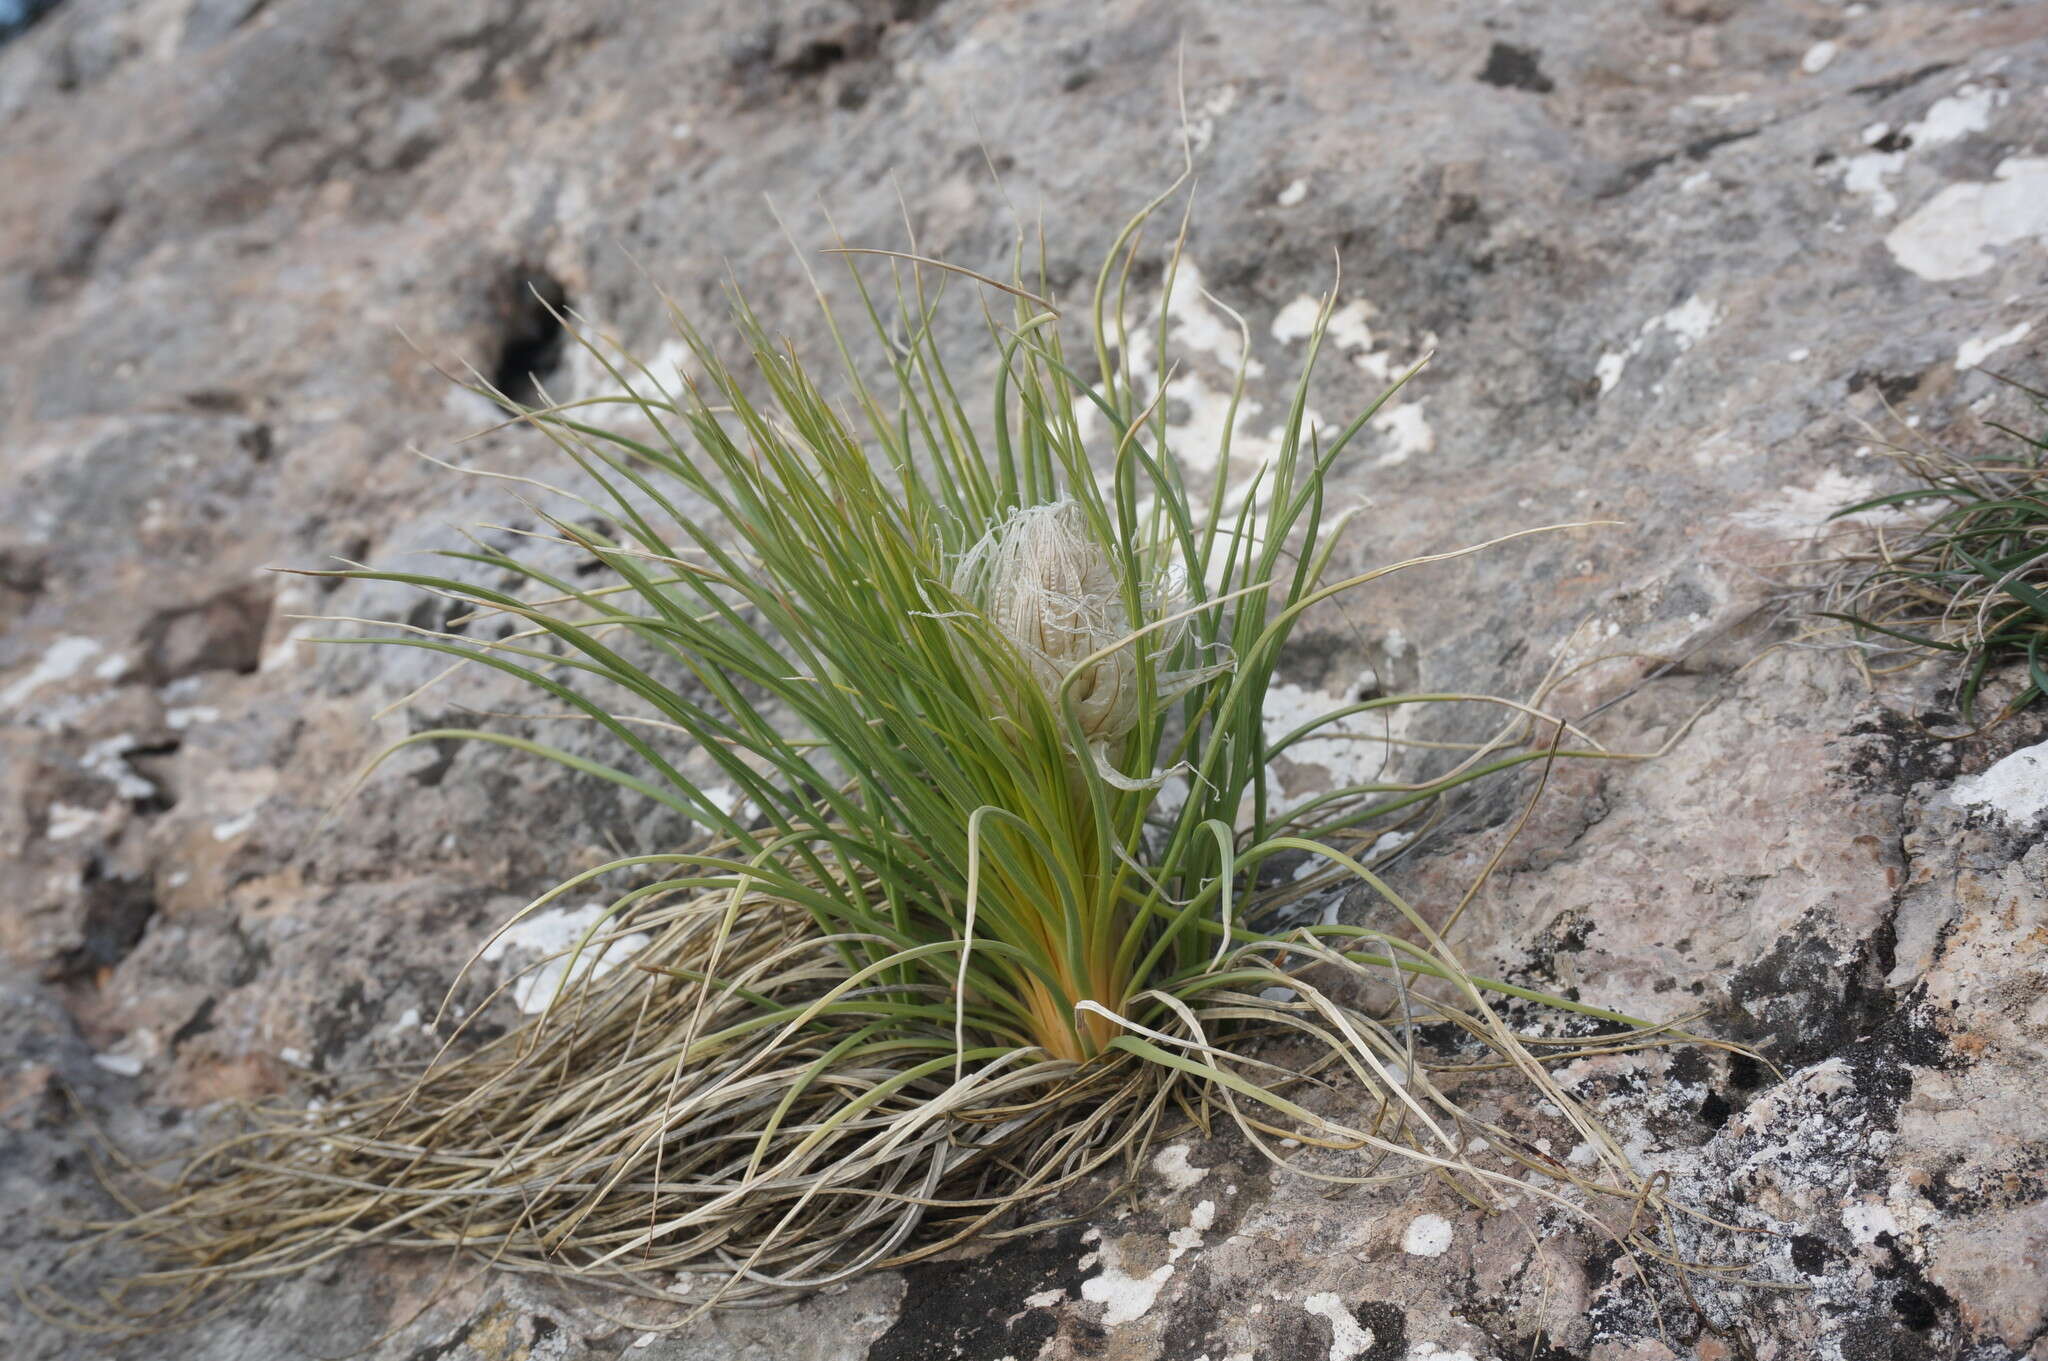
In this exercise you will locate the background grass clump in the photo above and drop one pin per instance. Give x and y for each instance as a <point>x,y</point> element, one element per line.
<point>1960,573</point>
<point>993,905</point>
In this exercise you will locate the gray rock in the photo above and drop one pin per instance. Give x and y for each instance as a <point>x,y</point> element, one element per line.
<point>1670,262</point>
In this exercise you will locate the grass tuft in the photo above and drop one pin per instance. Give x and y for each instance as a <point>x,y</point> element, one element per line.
<point>1964,578</point>
<point>995,904</point>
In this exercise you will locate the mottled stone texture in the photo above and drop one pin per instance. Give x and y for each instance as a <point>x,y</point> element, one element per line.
<point>1675,259</point>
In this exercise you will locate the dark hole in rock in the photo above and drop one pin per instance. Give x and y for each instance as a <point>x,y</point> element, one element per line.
<point>23,571</point>
<point>445,750</point>
<point>224,632</point>
<point>355,550</point>
<point>117,912</point>
<point>258,443</point>
<point>441,616</point>
<point>814,57</point>
<point>198,1023</point>
<point>78,243</point>
<point>216,401</point>
<point>1893,387</point>
<point>600,531</point>
<point>1744,1072</point>
<point>1702,147</point>
<point>152,763</point>
<point>530,341</point>
<point>1891,85</point>
<point>1515,68</point>
<point>18,16</point>
<point>1892,141</point>
<point>1715,1110</point>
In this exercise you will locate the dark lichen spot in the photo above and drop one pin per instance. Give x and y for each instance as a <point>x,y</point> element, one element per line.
<point>1810,1255</point>
<point>1915,1310</point>
<point>1389,1328</point>
<point>974,1310</point>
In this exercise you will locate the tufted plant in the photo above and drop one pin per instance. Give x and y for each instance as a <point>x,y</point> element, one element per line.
<point>999,895</point>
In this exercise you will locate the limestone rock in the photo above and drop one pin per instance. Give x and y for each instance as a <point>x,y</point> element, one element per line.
<point>1674,265</point>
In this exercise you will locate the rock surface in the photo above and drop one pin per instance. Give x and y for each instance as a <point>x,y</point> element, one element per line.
<point>1675,264</point>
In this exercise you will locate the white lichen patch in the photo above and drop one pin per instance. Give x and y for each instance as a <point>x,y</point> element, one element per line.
<point>1867,175</point>
<point>1351,332</point>
<point>2016,787</point>
<point>1203,117</point>
<point>1292,194</point>
<point>1971,353</point>
<point>1427,1235</point>
<point>107,759</point>
<point>1687,324</point>
<point>1865,1220</point>
<point>227,829</point>
<point>1608,369</point>
<point>1403,432</point>
<point>1185,1240</point>
<point>1171,1165</point>
<point>1349,1339</point>
<point>1805,510</point>
<point>1296,320</point>
<point>1954,233</point>
<point>1956,116</point>
<point>1818,57</point>
<point>1124,1295</point>
<point>1387,843</point>
<point>552,934</point>
<point>1948,119</point>
<point>1352,750</point>
<point>61,662</point>
<point>69,821</point>
<point>1207,347</point>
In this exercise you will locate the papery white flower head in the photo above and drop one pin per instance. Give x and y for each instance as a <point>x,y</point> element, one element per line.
<point>1051,589</point>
